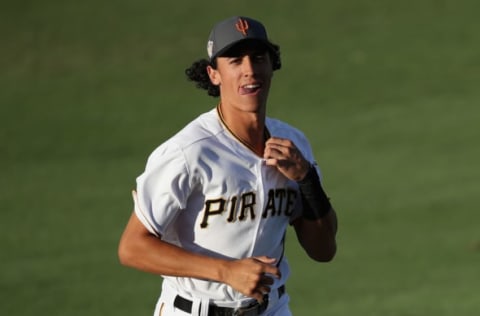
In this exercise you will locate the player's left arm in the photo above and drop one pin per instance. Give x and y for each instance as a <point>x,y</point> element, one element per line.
<point>316,229</point>
<point>318,237</point>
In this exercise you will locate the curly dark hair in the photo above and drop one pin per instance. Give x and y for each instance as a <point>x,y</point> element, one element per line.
<point>197,72</point>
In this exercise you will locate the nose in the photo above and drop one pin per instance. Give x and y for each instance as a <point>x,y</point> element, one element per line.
<point>247,65</point>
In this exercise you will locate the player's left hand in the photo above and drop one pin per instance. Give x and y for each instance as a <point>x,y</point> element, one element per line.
<point>285,156</point>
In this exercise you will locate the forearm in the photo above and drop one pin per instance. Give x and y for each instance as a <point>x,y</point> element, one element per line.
<point>318,237</point>
<point>143,251</point>
<point>317,227</point>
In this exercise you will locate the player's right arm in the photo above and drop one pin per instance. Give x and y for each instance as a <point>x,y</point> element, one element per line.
<point>140,249</point>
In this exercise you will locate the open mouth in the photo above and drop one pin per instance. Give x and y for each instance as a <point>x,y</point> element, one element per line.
<point>250,88</point>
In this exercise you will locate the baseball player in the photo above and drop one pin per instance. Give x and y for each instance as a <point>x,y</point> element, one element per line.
<point>212,207</point>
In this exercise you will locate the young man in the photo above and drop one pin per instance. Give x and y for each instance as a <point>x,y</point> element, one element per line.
<point>212,207</point>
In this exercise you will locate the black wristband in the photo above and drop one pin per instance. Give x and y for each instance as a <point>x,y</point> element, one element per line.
<point>315,202</point>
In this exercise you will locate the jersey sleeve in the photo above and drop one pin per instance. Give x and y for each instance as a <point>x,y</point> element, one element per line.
<point>162,189</point>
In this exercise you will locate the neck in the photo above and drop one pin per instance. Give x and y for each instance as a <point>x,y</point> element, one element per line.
<point>247,127</point>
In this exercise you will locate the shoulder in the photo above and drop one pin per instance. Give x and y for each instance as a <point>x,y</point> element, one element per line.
<point>203,128</point>
<point>282,129</point>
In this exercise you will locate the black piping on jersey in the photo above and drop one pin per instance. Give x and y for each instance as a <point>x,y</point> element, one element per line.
<point>266,133</point>
<point>283,249</point>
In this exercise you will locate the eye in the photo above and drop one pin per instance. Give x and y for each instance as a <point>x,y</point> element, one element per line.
<point>259,58</point>
<point>235,60</point>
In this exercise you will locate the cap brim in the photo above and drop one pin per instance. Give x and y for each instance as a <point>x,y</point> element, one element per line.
<point>228,51</point>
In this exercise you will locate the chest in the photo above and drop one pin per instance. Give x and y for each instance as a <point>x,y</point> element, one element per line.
<point>236,189</point>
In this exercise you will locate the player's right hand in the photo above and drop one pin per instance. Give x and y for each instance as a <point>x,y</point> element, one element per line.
<point>251,276</point>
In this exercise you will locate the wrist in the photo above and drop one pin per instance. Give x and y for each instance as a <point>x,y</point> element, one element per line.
<point>307,169</point>
<point>223,271</point>
<point>315,202</point>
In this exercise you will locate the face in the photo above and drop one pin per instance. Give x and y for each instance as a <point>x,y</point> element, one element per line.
<point>243,76</point>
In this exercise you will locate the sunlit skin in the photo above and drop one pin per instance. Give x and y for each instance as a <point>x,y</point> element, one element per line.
<point>244,79</point>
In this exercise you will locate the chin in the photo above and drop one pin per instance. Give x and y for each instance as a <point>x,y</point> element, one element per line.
<point>254,102</point>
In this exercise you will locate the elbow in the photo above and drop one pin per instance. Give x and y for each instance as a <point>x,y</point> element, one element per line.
<point>134,245</point>
<point>125,254</point>
<point>325,254</point>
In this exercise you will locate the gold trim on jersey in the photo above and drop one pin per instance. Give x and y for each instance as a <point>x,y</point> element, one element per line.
<point>266,133</point>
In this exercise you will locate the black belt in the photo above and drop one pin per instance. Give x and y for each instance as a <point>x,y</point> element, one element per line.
<point>214,310</point>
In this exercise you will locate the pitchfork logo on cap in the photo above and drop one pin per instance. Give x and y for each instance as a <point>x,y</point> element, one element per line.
<point>242,26</point>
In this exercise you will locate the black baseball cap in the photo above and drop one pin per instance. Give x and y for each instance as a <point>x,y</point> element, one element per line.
<point>234,30</point>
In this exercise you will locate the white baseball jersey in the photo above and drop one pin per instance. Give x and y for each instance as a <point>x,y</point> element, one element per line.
<point>206,192</point>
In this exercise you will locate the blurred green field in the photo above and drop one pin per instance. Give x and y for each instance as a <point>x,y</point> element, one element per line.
<point>387,92</point>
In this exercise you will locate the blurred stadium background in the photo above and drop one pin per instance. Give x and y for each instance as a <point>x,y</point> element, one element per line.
<point>387,91</point>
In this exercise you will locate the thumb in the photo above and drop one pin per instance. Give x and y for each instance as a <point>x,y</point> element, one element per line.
<point>265,259</point>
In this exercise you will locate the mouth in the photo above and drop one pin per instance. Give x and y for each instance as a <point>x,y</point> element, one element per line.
<point>251,88</point>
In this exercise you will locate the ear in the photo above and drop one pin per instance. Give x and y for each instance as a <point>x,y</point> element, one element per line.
<point>214,75</point>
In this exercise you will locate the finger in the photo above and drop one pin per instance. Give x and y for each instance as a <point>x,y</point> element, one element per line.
<point>264,289</point>
<point>265,259</point>
<point>270,267</point>
<point>278,141</point>
<point>270,272</point>
<point>273,271</point>
<point>271,162</point>
<point>266,280</point>
<point>258,296</point>
<point>271,153</point>
<point>272,147</point>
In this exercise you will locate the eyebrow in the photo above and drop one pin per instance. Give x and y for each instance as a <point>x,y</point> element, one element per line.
<point>234,53</point>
